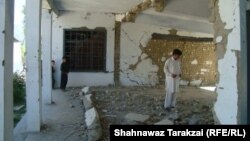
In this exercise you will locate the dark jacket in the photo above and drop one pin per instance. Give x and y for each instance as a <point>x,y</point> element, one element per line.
<point>65,67</point>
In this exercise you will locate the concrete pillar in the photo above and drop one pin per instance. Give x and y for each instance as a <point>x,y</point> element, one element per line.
<point>46,55</point>
<point>230,35</point>
<point>6,69</point>
<point>243,65</point>
<point>33,62</point>
<point>117,53</point>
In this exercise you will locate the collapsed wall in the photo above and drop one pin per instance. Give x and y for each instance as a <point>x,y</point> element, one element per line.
<point>143,53</point>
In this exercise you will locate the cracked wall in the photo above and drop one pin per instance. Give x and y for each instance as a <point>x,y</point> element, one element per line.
<point>137,66</point>
<point>131,15</point>
<point>198,61</point>
<point>227,24</point>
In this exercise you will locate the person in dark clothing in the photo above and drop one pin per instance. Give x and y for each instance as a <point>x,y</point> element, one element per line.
<point>53,69</point>
<point>64,73</point>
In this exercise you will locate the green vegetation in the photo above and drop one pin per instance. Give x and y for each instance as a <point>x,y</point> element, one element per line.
<point>18,88</point>
<point>19,97</point>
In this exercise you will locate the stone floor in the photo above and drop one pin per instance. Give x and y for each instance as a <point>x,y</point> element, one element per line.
<point>62,121</point>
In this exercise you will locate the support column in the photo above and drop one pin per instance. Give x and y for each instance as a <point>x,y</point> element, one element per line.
<point>46,55</point>
<point>33,62</point>
<point>243,65</point>
<point>6,69</point>
<point>230,37</point>
<point>117,53</point>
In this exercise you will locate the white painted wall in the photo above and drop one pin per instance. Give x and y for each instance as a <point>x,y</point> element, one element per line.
<point>132,35</point>
<point>91,20</point>
<point>226,107</point>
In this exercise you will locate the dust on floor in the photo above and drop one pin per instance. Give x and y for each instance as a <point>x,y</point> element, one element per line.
<point>194,105</point>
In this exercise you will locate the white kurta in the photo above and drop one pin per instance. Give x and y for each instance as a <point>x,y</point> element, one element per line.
<point>172,84</point>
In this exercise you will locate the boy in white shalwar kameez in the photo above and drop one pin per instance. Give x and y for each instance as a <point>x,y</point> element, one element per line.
<point>172,70</point>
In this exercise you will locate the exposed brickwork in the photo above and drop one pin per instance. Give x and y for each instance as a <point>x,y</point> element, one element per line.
<point>198,60</point>
<point>131,15</point>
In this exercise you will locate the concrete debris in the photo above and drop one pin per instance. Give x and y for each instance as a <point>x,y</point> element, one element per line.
<point>194,120</point>
<point>87,101</point>
<point>136,117</point>
<point>173,116</point>
<point>164,122</point>
<point>85,90</point>
<point>184,83</point>
<point>196,83</point>
<point>104,111</point>
<point>92,121</point>
<point>121,106</point>
<point>159,6</point>
<point>111,116</point>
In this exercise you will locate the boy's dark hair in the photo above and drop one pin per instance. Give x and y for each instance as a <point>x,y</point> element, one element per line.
<point>177,52</point>
<point>53,61</point>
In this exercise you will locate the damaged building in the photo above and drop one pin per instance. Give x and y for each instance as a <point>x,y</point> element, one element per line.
<point>125,43</point>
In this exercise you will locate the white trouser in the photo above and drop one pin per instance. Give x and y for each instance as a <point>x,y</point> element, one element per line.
<point>172,89</point>
<point>170,100</point>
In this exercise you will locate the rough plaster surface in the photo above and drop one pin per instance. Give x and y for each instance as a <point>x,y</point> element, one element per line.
<point>137,67</point>
<point>193,61</point>
<point>227,25</point>
<point>133,38</point>
<point>69,20</point>
<point>131,15</point>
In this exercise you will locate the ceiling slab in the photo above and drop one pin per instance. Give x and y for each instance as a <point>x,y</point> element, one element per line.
<point>107,6</point>
<point>191,15</point>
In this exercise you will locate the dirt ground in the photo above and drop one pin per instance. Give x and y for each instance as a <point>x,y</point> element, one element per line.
<point>194,105</point>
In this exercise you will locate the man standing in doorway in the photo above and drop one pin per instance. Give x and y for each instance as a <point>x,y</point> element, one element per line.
<point>64,73</point>
<point>53,69</point>
<point>172,70</point>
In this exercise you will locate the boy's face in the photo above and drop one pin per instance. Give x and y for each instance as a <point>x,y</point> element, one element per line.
<point>176,57</point>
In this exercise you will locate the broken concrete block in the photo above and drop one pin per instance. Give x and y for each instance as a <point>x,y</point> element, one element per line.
<point>193,120</point>
<point>87,101</point>
<point>184,83</point>
<point>136,117</point>
<point>135,11</point>
<point>91,118</point>
<point>85,90</point>
<point>164,122</point>
<point>80,93</point>
<point>93,123</point>
<point>196,82</point>
<point>145,5</point>
<point>159,5</point>
<point>173,116</point>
